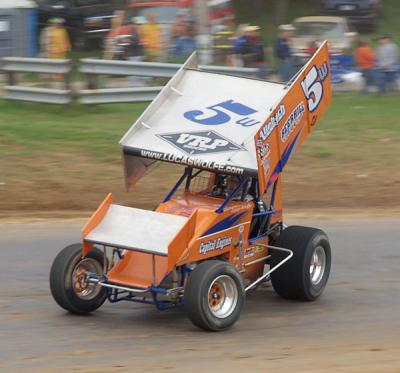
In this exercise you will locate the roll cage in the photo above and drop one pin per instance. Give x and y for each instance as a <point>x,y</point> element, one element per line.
<point>263,208</point>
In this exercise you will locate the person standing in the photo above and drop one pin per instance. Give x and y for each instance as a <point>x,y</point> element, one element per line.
<point>283,53</point>
<point>238,44</point>
<point>135,49</point>
<point>260,61</point>
<point>365,59</point>
<point>44,41</point>
<point>387,60</point>
<point>110,39</point>
<point>243,46</point>
<point>152,38</point>
<point>59,44</point>
<point>177,33</point>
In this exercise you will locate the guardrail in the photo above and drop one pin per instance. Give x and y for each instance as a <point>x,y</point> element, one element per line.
<point>118,95</point>
<point>13,66</point>
<point>92,68</point>
<point>151,69</point>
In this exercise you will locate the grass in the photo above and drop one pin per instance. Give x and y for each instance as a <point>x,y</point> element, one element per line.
<point>68,157</point>
<point>45,128</point>
<point>359,128</point>
<point>96,130</point>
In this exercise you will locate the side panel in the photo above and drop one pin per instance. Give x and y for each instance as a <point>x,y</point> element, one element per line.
<point>136,270</point>
<point>177,248</point>
<point>220,234</point>
<point>293,118</point>
<point>94,221</point>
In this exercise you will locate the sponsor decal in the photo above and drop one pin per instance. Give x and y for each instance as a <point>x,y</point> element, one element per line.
<point>204,142</point>
<point>268,127</point>
<point>249,253</point>
<point>191,161</point>
<point>239,207</point>
<point>254,250</point>
<point>259,249</point>
<point>217,244</point>
<point>313,86</point>
<point>292,121</point>
<point>266,166</point>
<point>263,149</point>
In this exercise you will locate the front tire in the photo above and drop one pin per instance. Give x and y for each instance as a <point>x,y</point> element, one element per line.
<point>67,284</point>
<point>306,274</point>
<point>214,295</point>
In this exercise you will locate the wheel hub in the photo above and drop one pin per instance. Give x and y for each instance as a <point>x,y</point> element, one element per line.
<point>222,296</point>
<point>81,287</point>
<point>317,265</point>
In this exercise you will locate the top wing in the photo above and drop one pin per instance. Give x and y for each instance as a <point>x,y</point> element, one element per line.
<point>218,122</point>
<point>293,118</point>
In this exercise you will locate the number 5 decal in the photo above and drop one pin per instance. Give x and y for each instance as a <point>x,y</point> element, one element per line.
<point>217,116</point>
<point>313,89</point>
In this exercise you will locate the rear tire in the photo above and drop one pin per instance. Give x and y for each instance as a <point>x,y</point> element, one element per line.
<point>214,295</point>
<point>67,280</point>
<point>305,275</point>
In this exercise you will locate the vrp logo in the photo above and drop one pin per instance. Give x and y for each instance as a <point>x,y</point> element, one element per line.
<point>203,142</point>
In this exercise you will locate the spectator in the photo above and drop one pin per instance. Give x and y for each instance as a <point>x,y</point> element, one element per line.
<point>152,37</point>
<point>185,43</point>
<point>258,48</point>
<point>59,45</point>
<point>249,45</point>
<point>178,28</point>
<point>364,58</point>
<point>139,21</point>
<point>238,43</point>
<point>110,40</point>
<point>44,41</point>
<point>283,53</point>
<point>387,60</point>
<point>135,49</point>
<point>223,46</point>
<point>244,45</point>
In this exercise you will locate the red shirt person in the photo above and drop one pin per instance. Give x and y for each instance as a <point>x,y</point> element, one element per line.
<point>365,59</point>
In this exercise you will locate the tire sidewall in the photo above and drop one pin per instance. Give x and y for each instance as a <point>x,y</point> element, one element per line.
<point>200,306</point>
<point>62,288</point>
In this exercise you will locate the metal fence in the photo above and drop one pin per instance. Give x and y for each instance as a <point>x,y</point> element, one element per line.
<point>12,67</point>
<point>91,69</point>
<point>118,95</point>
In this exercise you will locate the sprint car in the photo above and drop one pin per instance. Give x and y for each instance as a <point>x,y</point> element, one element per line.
<point>220,231</point>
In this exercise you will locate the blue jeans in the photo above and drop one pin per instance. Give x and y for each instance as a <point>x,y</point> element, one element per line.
<point>285,70</point>
<point>369,79</point>
<point>387,81</point>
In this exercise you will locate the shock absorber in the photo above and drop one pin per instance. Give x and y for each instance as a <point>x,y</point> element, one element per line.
<point>175,284</point>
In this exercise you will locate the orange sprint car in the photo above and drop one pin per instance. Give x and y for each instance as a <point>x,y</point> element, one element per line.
<point>220,231</point>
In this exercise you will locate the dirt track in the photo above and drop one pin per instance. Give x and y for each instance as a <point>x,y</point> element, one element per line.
<point>354,327</point>
<point>80,185</point>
